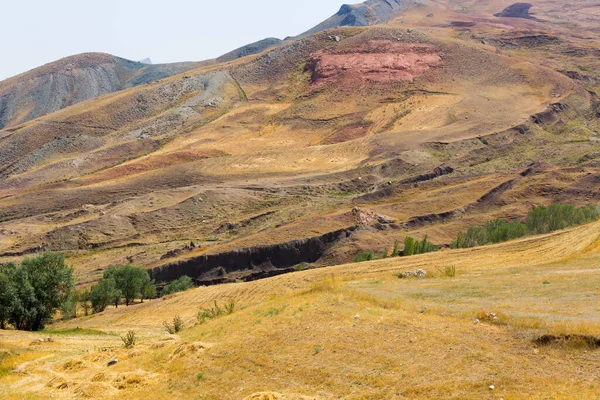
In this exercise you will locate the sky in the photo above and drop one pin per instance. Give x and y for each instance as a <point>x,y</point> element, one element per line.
<point>36,32</point>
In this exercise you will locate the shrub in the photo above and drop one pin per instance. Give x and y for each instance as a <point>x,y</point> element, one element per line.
<point>215,311</point>
<point>129,340</point>
<point>558,216</point>
<point>230,307</point>
<point>364,256</point>
<point>175,327</point>
<point>450,271</point>
<point>180,285</point>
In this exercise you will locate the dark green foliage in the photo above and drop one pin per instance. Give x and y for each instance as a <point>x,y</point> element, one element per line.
<point>364,256</point>
<point>180,285</point>
<point>104,293</point>
<point>413,247</point>
<point>32,292</point>
<point>7,293</point>
<point>540,220</point>
<point>130,280</point>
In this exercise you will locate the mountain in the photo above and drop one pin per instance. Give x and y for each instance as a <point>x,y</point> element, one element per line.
<point>72,80</point>
<point>250,49</point>
<point>436,120</point>
<point>371,12</point>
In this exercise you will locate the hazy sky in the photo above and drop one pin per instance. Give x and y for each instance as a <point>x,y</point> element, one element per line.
<point>35,32</point>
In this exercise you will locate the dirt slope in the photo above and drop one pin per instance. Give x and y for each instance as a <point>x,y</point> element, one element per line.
<point>281,146</point>
<point>72,80</point>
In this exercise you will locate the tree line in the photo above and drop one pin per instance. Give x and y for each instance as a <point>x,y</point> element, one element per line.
<point>34,291</point>
<point>539,221</point>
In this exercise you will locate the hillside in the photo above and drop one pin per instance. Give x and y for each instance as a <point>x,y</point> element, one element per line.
<point>350,331</point>
<point>72,80</point>
<point>263,173</point>
<point>282,146</point>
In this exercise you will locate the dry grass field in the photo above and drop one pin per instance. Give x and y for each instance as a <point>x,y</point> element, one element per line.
<point>352,332</point>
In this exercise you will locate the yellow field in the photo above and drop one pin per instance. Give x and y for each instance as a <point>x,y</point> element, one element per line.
<point>351,332</point>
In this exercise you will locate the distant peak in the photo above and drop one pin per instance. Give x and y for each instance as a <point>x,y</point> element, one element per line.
<point>146,61</point>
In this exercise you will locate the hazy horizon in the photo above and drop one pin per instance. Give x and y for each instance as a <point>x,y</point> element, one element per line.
<point>180,31</point>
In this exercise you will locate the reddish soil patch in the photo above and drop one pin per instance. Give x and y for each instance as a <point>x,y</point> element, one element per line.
<point>377,61</point>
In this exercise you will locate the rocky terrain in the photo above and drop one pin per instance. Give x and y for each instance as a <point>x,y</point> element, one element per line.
<point>72,80</point>
<point>436,118</point>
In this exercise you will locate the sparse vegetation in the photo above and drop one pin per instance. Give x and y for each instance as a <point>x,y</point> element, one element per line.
<point>414,247</point>
<point>539,221</point>
<point>450,271</point>
<point>215,311</point>
<point>179,285</point>
<point>364,256</point>
<point>176,326</point>
<point>129,340</point>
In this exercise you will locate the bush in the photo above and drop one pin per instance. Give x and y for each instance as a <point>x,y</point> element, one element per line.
<point>180,285</point>
<point>175,327</point>
<point>450,271</point>
<point>364,256</point>
<point>33,291</point>
<point>207,314</point>
<point>129,340</point>
<point>558,216</point>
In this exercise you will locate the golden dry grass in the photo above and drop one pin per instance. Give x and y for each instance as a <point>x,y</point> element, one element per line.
<point>350,331</point>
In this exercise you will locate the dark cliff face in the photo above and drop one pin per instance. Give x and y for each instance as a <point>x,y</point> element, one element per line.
<point>517,10</point>
<point>72,80</point>
<point>250,263</point>
<point>371,12</point>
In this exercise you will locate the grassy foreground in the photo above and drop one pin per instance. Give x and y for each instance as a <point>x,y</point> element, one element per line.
<point>345,332</point>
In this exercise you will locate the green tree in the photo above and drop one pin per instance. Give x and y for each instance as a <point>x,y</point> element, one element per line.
<point>148,290</point>
<point>131,280</point>
<point>84,301</point>
<point>409,246</point>
<point>103,294</point>
<point>42,285</point>
<point>7,293</point>
<point>396,250</point>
